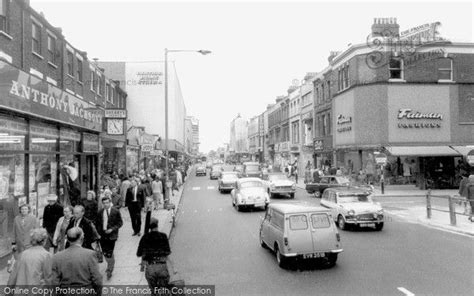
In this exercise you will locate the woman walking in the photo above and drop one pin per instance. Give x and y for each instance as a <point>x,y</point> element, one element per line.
<point>59,238</point>
<point>22,226</point>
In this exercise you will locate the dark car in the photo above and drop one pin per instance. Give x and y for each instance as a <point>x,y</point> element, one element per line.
<point>327,182</point>
<point>215,172</point>
<point>228,181</point>
<point>201,171</point>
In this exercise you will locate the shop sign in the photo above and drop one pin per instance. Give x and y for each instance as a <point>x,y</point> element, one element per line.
<point>156,152</point>
<point>295,148</point>
<point>470,158</point>
<point>380,158</point>
<point>433,120</point>
<point>344,123</point>
<point>115,113</point>
<point>147,147</point>
<point>318,145</point>
<point>25,93</point>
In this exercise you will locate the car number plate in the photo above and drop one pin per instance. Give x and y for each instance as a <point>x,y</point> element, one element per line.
<point>367,225</point>
<point>314,255</point>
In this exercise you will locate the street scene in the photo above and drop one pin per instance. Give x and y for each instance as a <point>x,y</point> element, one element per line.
<point>236,148</point>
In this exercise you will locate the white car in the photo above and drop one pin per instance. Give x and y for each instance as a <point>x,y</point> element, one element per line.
<point>250,193</point>
<point>353,207</point>
<point>279,184</point>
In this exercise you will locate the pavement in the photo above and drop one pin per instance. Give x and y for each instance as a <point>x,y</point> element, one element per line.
<point>127,264</point>
<point>409,203</point>
<point>215,244</point>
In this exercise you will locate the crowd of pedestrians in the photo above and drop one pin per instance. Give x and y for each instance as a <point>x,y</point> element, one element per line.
<point>65,250</point>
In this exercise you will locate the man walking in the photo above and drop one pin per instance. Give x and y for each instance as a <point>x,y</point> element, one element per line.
<point>76,267</point>
<point>157,188</point>
<point>52,212</point>
<point>89,232</point>
<point>108,224</point>
<point>154,248</point>
<point>124,188</point>
<point>135,200</point>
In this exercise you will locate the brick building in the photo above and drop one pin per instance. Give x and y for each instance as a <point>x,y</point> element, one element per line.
<point>52,104</point>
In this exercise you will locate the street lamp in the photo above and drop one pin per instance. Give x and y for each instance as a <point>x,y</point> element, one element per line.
<point>203,52</point>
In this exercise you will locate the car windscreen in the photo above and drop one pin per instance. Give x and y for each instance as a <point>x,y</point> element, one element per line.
<point>277,177</point>
<point>252,168</point>
<point>320,220</point>
<point>298,222</point>
<point>251,184</point>
<point>227,176</point>
<point>353,198</point>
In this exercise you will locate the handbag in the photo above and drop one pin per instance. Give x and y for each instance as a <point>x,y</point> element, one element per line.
<point>98,253</point>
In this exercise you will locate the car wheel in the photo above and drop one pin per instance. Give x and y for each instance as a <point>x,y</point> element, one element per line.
<point>317,194</point>
<point>262,243</point>
<point>239,208</point>
<point>341,223</point>
<point>281,259</point>
<point>379,226</point>
<point>332,258</point>
<point>292,195</point>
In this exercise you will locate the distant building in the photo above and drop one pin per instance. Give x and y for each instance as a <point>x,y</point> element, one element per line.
<point>238,135</point>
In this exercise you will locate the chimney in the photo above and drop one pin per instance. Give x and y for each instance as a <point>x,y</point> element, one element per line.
<point>332,55</point>
<point>387,27</point>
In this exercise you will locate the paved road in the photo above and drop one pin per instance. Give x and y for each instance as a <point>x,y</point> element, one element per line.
<point>215,244</point>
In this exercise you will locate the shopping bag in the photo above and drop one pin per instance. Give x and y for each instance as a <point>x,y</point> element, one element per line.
<point>98,253</point>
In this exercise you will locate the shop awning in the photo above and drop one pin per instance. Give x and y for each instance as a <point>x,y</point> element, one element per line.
<point>464,150</point>
<point>422,151</point>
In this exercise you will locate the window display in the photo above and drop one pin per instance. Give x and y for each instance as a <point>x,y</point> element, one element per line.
<point>43,137</point>
<point>45,176</point>
<point>12,133</point>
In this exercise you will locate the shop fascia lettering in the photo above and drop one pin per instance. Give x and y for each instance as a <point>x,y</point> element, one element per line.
<point>406,113</point>
<point>344,121</point>
<point>53,102</point>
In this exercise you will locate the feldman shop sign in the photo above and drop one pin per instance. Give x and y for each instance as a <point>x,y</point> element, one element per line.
<point>419,119</point>
<point>27,94</point>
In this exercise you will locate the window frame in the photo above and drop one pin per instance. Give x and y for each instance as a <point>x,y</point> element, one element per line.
<point>401,69</point>
<point>451,70</point>
<point>51,51</point>
<point>36,27</point>
<point>70,63</point>
<point>4,19</point>
<point>80,69</point>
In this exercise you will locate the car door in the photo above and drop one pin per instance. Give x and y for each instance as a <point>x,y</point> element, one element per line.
<point>264,231</point>
<point>322,232</point>
<point>323,184</point>
<point>299,234</point>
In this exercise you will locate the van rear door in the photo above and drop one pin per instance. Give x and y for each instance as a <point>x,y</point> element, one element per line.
<point>299,234</point>
<point>323,232</point>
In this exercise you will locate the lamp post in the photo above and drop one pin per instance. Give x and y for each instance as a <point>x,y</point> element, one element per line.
<point>203,52</point>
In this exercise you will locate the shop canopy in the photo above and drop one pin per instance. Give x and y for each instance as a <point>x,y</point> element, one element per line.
<point>464,150</point>
<point>422,151</point>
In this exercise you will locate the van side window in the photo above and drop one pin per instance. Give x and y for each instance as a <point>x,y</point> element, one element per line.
<point>320,220</point>
<point>278,220</point>
<point>298,222</point>
<point>324,181</point>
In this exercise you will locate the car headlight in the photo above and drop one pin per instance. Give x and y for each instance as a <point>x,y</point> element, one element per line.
<point>351,213</point>
<point>293,186</point>
<point>272,186</point>
<point>380,212</point>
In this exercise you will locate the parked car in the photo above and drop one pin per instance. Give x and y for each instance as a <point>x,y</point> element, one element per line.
<point>297,231</point>
<point>215,172</point>
<point>250,193</point>
<point>353,207</point>
<point>228,181</point>
<point>278,183</point>
<point>200,171</point>
<point>327,182</point>
<point>252,169</point>
<point>239,168</point>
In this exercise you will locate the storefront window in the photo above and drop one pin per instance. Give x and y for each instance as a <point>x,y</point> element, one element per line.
<point>43,137</point>
<point>90,143</point>
<point>43,181</point>
<point>70,140</point>
<point>12,133</point>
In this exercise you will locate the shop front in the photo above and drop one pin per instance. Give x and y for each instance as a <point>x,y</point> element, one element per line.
<point>323,153</point>
<point>415,125</point>
<point>49,144</point>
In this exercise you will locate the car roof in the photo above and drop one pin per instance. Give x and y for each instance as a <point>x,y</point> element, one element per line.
<point>251,162</point>
<point>293,208</point>
<point>243,180</point>
<point>348,190</point>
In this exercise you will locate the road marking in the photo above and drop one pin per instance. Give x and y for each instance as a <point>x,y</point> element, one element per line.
<point>405,291</point>
<point>196,188</point>
<point>210,187</point>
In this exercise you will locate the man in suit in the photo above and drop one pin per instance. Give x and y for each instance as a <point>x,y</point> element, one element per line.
<point>135,201</point>
<point>52,212</point>
<point>108,224</point>
<point>90,233</point>
<point>76,267</point>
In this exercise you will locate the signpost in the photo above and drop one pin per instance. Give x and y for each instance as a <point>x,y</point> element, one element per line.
<point>381,159</point>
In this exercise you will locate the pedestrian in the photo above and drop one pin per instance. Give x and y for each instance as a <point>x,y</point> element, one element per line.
<point>22,225</point>
<point>123,189</point>
<point>34,265</point>
<point>135,200</point>
<point>157,188</point>
<point>154,248</point>
<point>59,238</point>
<point>179,178</point>
<point>91,206</point>
<point>90,233</point>
<point>52,212</point>
<point>109,221</point>
<point>149,206</point>
<point>76,267</point>
<point>116,198</point>
<point>295,173</point>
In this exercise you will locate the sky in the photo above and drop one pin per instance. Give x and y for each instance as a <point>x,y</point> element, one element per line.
<point>258,48</point>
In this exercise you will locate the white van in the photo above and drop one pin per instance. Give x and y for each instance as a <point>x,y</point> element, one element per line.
<point>297,231</point>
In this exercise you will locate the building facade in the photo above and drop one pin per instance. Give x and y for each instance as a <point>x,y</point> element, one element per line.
<point>307,115</point>
<point>52,127</point>
<point>239,137</point>
<point>294,118</point>
<point>253,138</point>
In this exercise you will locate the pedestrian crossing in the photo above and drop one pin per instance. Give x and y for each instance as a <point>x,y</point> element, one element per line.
<point>199,188</point>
